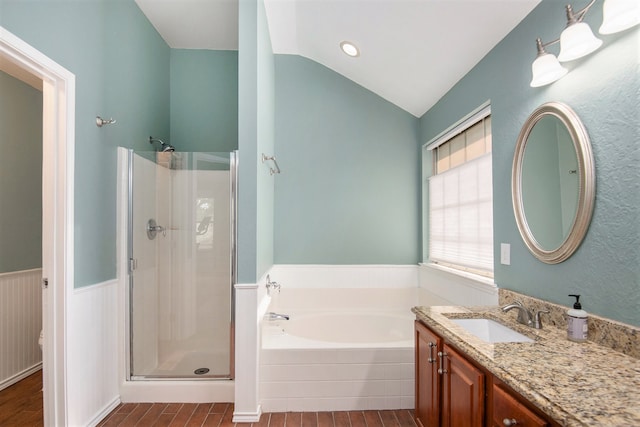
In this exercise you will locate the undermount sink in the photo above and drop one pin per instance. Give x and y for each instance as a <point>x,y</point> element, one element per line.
<point>491,331</point>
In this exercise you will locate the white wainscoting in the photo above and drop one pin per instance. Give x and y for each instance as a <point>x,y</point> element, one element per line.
<point>20,325</point>
<point>92,353</point>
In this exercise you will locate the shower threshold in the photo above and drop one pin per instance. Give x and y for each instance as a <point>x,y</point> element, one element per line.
<point>193,377</point>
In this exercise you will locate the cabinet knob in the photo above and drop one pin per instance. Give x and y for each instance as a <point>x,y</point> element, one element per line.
<point>509,422</point>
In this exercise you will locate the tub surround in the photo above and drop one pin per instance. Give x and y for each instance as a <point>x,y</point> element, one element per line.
<point>576,384</point>
<point>336,379</point>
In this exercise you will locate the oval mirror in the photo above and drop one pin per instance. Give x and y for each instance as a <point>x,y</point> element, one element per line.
<point>553,182</point>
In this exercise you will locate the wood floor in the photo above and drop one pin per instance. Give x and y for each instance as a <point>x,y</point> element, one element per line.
<point>21,403</point>
<point>220,414</point>
<point>21,406</point>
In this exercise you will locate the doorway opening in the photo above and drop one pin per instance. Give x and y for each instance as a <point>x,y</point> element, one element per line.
<point>58,124</point>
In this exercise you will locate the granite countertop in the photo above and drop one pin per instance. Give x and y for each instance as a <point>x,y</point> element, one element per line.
<point>576,384</point>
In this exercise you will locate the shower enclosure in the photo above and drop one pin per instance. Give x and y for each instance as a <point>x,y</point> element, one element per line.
<point>181,251</point>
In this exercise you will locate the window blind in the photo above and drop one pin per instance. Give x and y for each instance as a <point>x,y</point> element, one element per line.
<point>465,123</point>
<point>461,215</point>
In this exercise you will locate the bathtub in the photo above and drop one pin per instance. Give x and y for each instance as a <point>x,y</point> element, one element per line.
<point>342,349</point>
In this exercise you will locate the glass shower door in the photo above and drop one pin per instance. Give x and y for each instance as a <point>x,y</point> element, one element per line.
<point>181,230</point>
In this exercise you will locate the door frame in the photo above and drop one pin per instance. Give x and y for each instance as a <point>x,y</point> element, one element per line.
<point>58,142</point>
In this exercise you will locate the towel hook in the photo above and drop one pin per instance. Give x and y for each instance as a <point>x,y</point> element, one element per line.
<point>101,122</point>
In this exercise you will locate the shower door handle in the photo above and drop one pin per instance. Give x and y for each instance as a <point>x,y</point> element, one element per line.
<point>133,264</point>
<point>153,229</point>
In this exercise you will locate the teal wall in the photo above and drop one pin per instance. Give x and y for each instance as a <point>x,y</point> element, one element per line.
<point>121,66</point>
<point>20,175</point>
<point>255,136</point>
<point>204,100</point>
<point>349,188</point>
<point>604,90</point>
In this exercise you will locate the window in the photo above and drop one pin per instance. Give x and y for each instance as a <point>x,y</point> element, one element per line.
<point>460,197</point>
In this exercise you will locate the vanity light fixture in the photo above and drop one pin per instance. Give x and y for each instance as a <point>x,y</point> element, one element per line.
<point>546,69</point>
<point>577,39</point>
<point>350,49</point>
<point>619,15</point>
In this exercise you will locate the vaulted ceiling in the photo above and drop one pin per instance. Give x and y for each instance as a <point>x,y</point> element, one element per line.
<point>411,51</point>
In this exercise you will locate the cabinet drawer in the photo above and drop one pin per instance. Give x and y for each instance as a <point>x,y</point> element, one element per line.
<point>507,407</point>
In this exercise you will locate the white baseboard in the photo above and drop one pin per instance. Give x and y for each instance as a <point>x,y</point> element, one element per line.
<point>20,376</point>
<point>106,411</point>
<point>247,417</point>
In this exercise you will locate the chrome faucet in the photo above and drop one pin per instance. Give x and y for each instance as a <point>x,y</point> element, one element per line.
<point>276,316</point>
<point>272,286</point>
<point>524,315</point>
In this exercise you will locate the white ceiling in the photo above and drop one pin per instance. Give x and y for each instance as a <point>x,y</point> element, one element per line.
<point>411,51</point>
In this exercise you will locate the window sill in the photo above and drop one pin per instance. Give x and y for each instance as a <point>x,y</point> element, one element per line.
<point>475,280</point>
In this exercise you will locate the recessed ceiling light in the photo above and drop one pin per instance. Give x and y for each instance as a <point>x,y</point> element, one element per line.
<point>349,48</point>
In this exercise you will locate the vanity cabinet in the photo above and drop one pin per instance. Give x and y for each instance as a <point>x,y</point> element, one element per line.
<point>509,409</point>
<point>462,391</point>
<point>449,389</point>
<point>452,390</point>
<point>428,380</point>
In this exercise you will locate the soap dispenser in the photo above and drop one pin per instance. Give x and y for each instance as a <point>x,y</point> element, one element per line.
<point>577,327</point>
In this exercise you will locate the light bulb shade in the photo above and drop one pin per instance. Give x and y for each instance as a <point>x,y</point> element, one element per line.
<point>546,69</point>
<point>619,15</point>
<point>576,41</point>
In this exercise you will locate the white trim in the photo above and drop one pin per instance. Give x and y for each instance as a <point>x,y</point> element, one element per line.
<point>247,417</point>
<point>475,279</point>
<point>246,286</point>
<point>106,411</point>
<point>247,351</point>
<point>20,376</point>
<point>58,135</point>
<point>122,263</point>
<point>95,286</point>
<point>460,126</point>
<point>17,273</point>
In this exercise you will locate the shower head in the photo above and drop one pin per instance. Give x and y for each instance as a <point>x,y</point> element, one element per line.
<point>167,148</point>
<point>164,147</point>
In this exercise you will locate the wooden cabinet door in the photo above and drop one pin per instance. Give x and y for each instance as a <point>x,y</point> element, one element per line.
<point>507,410</point>
<point>462,391</point>
<point>427,379</point>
